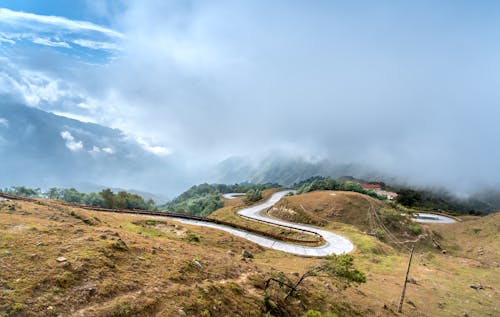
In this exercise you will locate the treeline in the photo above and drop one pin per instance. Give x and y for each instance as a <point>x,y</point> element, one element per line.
<point>441,200</point>
<point>328,183</point>
<point>105,199</point>
<point>203,199</point>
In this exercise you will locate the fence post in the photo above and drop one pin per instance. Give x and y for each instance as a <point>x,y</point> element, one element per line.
<point>400,308</point>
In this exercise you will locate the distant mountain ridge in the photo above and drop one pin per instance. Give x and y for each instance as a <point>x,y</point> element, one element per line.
<point>42,149</point>
<point>287,170</point>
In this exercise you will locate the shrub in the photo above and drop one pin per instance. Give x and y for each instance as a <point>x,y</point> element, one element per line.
<point>415,228</point>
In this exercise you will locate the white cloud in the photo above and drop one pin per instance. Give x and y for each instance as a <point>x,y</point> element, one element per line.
<point>95,45</point>
<point>9,16</point>
<point>6,40</point>
<point>157,150</point>
<point>108,150</point>
<point>96,150</point>
<point>47,42</point>
<point>71,143</point>
<point>74,116</point>
<point>4,122</point>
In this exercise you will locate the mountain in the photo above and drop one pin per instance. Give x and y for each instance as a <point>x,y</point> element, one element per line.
<point>41,149</point>
<point>287,170</point>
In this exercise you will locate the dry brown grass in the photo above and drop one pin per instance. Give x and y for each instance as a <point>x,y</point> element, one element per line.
<point>321,207</point>
<point>155,275</point>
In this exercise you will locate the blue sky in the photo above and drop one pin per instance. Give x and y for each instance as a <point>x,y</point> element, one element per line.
<point>408,87</point>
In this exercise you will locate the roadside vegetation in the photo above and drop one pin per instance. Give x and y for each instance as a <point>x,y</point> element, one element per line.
<point>441,200</point>
<point>105,199</point>
<point>327,183</point>
<point>203,199</point>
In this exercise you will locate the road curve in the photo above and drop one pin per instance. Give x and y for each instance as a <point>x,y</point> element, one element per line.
<point>424,217</point>
<point>334,244</point>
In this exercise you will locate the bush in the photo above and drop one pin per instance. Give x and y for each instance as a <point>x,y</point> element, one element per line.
<point>415,228</point>
<point>380,234</point>
<point>193,237</point>
<point>252,195</point>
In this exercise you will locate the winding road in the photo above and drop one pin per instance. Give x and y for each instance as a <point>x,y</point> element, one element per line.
<point>433,218</point>
<point>334,244</point>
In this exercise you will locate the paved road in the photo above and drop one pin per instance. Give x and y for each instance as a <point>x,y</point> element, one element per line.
<point>433,218</point>
<point>232,195</point>
<point>335,244</point>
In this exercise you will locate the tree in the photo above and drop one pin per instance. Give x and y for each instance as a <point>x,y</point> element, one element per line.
<point>108,198</point>
<point>23,191</point>
<point>409,197</point>
<point>338,268</point>
<point>53,193</point>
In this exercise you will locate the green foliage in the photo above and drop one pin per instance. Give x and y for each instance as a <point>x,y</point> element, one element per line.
<point>106,198</point>
<point>203,199</point>
<point>328,183</point>
<point>483,202</point>
<point>409,197</point>
<point>342,267</point>
<point>415,228</point>
<point>380,234</point>
<point>252,195</point>
<point>192,237</point>
<point>390,215</point>
<point>23,191</point>
<point>199,200</point>
<point>313,313</point>
<point>244,187</point>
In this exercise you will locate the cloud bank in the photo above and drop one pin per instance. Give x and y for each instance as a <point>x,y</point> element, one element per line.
<point>409,89</point>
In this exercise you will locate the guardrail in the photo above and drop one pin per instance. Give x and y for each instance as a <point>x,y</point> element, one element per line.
<point>180,216</point>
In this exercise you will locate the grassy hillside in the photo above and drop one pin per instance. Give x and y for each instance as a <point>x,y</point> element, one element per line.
<point>388,223</point>
<point>63,261</point>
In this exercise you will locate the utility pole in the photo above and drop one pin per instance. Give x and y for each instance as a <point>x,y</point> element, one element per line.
<point>400,309</point>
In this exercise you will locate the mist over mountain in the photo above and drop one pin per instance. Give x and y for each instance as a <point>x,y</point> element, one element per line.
<point>42,149</point>
<point>287,170</point>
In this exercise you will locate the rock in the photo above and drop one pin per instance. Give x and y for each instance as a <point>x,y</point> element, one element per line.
<point>61,259</point>
<point>7,252</point>
<point>198,263</point>
<point>477,286</point>
<point>411,304</point>
<point>34,256</point>
<point>41,244</point>
<point>247,255</point>
<point>103,236</point>
<point>180,312</point>
<point>411,280</point>
<point>142,292</point>
<point>120,245</point>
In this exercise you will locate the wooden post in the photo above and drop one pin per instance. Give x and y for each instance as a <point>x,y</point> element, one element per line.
<point>400,309</point>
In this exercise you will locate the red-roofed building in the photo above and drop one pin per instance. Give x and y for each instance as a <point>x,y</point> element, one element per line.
<point>371,186</point>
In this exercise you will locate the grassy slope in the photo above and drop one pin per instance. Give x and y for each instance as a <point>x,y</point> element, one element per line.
<point>156,275</point>
<point>443,280</point>
<point>321,207</point>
